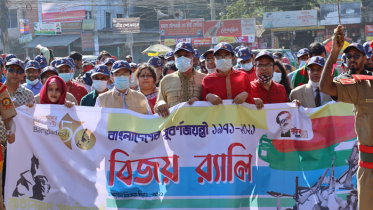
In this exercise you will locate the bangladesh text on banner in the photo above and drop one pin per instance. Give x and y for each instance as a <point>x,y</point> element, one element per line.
<point>201,157</point>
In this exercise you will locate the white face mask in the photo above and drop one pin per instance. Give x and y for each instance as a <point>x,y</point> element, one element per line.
<point>224,64</point>
<point>247,66</point>
<point>32,83</point>
<point>276,77</point>
<point>314,84</point>
<point>183,64</point>
<point>302,63</point>
<point>170,62</point>
<point>99,85</point>
<point>211,70</point>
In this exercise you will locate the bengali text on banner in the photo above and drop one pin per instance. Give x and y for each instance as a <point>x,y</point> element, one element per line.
<point>201,157</point>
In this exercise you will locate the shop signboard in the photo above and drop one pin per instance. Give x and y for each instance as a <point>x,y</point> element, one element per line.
<point>88,42</point>
<point>88,25</point>
<point>369,32</point>
<point>350,13</point>
<point>228,28</point>
<point>69,28</point>
<point>126,25</point>
<point>24,26</point>
<point>62,11</point>
<point>191,28</point>
<point>290,19</point>
<point>47,28</point>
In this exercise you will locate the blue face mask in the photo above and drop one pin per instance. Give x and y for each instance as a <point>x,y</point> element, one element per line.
<point>66,76</point>
<point>32,83</point>
<point>122,82</point>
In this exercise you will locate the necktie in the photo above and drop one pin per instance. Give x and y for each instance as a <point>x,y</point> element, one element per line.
<point>318,98</point>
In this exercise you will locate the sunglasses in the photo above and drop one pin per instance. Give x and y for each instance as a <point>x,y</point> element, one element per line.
<point>12,70</point>
<point>356,56</point>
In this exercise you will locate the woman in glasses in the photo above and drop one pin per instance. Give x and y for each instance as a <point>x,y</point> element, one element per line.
<point>147,77</point>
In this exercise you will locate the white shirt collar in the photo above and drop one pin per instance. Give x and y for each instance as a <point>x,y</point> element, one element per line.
<point>121,94</point>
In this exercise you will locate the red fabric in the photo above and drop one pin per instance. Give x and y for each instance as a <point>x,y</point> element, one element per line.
<point>87,68</point>
<point>366,149</point>
<point>362,77</point>
<point>44,90</point>
<point>2,89</point>
<point>76,90</point>
<point>276,93</point>
<point>113,57</point>
<point>216,84</point>
<point>152,103</point>
<point>366,164</point>
<point>251,73</point>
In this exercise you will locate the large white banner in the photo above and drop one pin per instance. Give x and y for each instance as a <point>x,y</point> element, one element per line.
<point>290,19</point>
<point>201,157</point>
<point>63,11</point>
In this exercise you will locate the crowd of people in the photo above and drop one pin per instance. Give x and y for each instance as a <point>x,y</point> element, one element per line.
<point>184,75</point>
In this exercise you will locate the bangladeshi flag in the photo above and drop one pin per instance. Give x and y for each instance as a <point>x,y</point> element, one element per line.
<point>333,136</point>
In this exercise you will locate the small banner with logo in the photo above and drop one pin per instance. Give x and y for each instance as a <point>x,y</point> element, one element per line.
<point>201,157</point>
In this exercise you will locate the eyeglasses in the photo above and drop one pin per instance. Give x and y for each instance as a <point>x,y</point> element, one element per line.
<point>12,70</point>
<point>267,66</point>
<point>118,74</point>
<point>29,72</point>
<point>210,60</point>
<point>228,56</point>
<point>143,76</point>
<point>355,56</point>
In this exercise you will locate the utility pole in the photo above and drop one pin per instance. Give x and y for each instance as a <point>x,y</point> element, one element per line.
<point>212,6</point>
<point>95,33</point>
<point>4,25</point>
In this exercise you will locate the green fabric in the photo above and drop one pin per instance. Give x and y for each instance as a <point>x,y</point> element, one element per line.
<point>89,99</point>
<point>366,157</point>
<point>300,77</point>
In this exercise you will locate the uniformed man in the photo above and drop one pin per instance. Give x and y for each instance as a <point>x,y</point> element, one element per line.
<point>354,53</point>
<point>359,93</point>
<point>8,128</point>
<point>121,96</point>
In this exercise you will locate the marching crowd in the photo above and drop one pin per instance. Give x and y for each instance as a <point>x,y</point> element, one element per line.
<point>180,76</point>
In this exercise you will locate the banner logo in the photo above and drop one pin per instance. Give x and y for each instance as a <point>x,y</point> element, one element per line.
<point>68,131</point>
